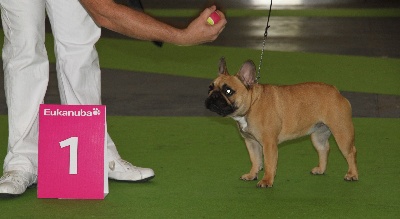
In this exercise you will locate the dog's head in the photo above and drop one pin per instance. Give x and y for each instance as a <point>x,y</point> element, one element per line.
<point>229,95</point>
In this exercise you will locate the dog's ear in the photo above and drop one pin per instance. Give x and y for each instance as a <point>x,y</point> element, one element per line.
<point>223,70</point>
<point>247,73</point>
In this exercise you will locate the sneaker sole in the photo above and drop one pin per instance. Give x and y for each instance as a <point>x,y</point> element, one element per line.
<point>137,181</point>
<point>9,195</point>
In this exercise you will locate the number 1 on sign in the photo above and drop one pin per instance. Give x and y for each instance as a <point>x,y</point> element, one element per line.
<point>72,142</point>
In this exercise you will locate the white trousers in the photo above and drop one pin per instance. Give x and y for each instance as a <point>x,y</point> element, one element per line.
<point>26,69</point>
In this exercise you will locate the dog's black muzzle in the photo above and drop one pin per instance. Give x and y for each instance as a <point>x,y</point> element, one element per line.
<point>217,103</point>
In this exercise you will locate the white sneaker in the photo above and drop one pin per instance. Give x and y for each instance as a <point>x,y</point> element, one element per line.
<point>14,183</point>
<point>122,170</point>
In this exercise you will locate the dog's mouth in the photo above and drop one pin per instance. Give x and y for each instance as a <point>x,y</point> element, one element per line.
<point>220,111</point>
<point>218,104</point>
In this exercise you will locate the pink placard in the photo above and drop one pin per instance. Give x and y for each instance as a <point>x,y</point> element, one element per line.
<point>72,152</point>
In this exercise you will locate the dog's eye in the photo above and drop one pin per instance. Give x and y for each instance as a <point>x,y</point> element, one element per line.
<point>227,91</point>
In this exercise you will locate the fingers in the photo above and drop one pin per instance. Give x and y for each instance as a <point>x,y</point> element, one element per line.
<point>210,10</point>
<point>200,31</point>
<point>219,27</point>
<point>207,12</point>
<point>221,24</point>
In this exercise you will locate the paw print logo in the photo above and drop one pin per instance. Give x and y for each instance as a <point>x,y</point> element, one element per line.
<point>96,112</point>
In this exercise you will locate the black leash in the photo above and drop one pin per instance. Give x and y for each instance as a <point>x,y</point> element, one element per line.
<point>265,39</point>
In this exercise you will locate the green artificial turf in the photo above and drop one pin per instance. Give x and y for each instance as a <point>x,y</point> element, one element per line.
<point>198,162</point>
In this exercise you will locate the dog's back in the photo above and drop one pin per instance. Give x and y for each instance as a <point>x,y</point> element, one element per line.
<point>301,106</point>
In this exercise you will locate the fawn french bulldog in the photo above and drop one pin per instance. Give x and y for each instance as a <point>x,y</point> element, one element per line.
<point>268,115</point>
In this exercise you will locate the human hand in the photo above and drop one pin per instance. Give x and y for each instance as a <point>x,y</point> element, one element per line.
<point>200,31</point>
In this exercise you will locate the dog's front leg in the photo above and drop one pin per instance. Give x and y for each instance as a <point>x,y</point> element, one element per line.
<point>255,152</point>
<point>270,150</point>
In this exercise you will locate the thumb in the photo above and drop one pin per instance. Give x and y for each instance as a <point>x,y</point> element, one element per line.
<point>207,12</point>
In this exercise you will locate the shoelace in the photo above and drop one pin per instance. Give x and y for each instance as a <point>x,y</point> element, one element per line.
<point>125,163</point>
<point>17,178</point>
<point>128,165</point>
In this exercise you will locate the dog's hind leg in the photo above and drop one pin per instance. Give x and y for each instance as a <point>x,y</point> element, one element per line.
<point>255,152</point>
<point>341,125</point>
<point>320,141</point>
<point>344,136</point>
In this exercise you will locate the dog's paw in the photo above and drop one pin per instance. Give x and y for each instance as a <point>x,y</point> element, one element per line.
<point>264,184</point>
<point>249,177</point>
<point>351,177</point>
<point>317,171</point>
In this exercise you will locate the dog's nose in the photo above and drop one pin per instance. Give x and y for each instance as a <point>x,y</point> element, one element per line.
<point>215,94</point>
<point>213,100</point>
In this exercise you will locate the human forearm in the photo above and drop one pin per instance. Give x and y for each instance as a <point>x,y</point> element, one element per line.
<point>138,25</point>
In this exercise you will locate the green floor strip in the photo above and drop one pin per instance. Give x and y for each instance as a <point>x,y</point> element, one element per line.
<point>315,12</point>
<point>198,162</point>
<point>350,73</point>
